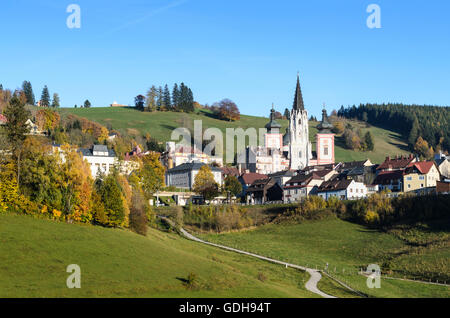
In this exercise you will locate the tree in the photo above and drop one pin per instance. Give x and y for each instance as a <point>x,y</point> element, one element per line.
<point>151,99</point>
<point>28,90</point>
<point>87,104</point>
<point>422,148</point>
<point>175,97</point>
<point>368,139</point>
<point>113,199</point>
<point>232,186</point>
<point>45,97</point>
<point>414,132</point>
<point>138,213</point>
<point>16,128</point>
<point>160,99</point>
<point>227,110</point>
<point>287,113</point>
<point>55,102</point>
<point>166,98</point>
<point>139,102</point>
<point>151,174</point>
<point>205,184</point>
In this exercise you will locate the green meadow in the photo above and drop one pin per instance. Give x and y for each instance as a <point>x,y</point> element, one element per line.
<point>34,255</point>
<point>161,124</point>
<point>347,248</point>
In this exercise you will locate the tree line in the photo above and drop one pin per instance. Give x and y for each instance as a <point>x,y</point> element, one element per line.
<point>161,99</point>
<point>430,123</point>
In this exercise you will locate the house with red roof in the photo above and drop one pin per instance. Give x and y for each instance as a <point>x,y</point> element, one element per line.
<point>396,163</point>
<point>420,175</point>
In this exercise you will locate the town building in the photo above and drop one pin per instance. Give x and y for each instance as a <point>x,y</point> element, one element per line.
<point>390,180</point>
<point>300,186</point>
<point>282,177</point>
<point>293,150</point>
<point>396,163</point>
<point>33,128</point>
<point>263,191</point>
<point>176,155</point>
<point>101,159</point>
<point>443,164</point>
<point>345,189</point>
<point>420,175</point>
<point>183,176</point>
<point>443,187</point>
<point>115,104</point>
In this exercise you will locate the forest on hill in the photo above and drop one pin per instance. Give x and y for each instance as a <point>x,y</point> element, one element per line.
<point>430,123</point>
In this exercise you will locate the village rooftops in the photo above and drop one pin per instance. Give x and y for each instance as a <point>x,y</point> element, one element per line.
<point>395,163</point>
<point>334,185</point>
<point>249,178</point>
<point>386,177</point>
<point>423,166</point>
<point>97,151</point>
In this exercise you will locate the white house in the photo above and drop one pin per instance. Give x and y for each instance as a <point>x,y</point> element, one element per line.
<point>177,154</point>
<point>346,189</point>
<point>100,158</point>
<point>183,176</point>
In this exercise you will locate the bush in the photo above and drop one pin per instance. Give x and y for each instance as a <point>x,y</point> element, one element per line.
<point>138,214</point>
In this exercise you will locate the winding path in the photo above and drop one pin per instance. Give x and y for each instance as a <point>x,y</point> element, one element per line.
<point>310,285</point>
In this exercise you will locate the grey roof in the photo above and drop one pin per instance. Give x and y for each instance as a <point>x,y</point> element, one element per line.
<point>189,166</point>
<point>298,99</point>
<point>440,161</point>
<point>324,126</point>
<point>285,173</point>
<point>101,148</point>
<point>272,124</point>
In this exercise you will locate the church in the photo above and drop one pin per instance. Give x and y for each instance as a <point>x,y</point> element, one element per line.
<point>293,149</point>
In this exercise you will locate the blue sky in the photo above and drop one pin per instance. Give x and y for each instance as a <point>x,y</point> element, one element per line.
<point>247,50</point>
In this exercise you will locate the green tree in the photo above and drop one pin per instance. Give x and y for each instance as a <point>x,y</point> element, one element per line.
<point>16,128</point>
<point>113,199</point>
<point>45,97</point>
<point>232,186</point>
<point>87,104</point>
<point>55,101</point>
<point>151,174</point>
<point>286,113</point>
<point>204,183</point>
<point>167,98</point>
<point>175,97</point>
<point>152,94</point>
<point>28,90</point>
<point>414,132</point>
<point>368,139</point>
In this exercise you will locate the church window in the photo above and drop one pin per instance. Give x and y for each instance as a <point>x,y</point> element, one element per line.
<point>300,154</point>
<point>325,150</point>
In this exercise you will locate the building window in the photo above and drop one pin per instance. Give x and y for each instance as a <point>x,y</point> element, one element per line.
<point>325,151</point>
<point>421,178</point>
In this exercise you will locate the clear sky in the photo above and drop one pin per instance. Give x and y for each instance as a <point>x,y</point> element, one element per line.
<point>245,50</point>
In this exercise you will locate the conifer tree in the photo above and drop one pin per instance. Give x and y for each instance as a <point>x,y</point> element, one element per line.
<point>175,97</point>
<point>55,101</point>
<point>166,97</point>
<point>45,97</point>
<point>28,90</point>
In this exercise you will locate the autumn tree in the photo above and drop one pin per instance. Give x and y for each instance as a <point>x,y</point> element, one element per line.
<point>152,94</point>
<point>227,110</point>
<point>205,184</point>
<point>151,174</point>
<point>422,148</point>
<point>138,213</point>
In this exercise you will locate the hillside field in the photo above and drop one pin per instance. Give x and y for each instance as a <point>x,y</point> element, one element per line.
<point>348,247</point>
<point>34,254</point>
<point>161,124</point>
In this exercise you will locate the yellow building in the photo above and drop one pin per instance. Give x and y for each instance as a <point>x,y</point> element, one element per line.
<point>420,175</point>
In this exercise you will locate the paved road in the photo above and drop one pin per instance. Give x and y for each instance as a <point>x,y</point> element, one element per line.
<point>310,285</point>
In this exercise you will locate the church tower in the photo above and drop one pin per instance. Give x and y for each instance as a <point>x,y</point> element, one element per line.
<point>300,147</point>
<point>325,141</point>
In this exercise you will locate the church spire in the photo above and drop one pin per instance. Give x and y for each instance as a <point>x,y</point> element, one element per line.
<point>298,99</point>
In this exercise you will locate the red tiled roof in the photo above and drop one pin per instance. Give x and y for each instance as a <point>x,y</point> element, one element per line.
<point>423,166</point>
<point>251,177</point>
<point>233,171</point>
<point>396,162</point>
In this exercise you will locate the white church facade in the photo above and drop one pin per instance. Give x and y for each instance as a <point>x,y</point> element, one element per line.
<point>292,150</point>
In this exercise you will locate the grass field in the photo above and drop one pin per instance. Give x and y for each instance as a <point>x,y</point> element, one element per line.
<point>34,254</point>
<point>346,247</point>
<point>161,124</point>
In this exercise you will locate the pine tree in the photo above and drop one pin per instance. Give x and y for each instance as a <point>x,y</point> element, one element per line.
<point>45,97</point>
<point>287,113</point>
<point>414,133</point>
<point>166,98</point>
<point>28,90</point>
<point>159,99</point>
<point>55,102</point>
<point>368,139</point>
<point>1,87</point>
<point>175,97</point>
<point>16,128</point>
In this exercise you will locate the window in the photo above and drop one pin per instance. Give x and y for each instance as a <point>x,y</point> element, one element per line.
<point>409,186</point>
<point>325,151</point>
<point>409,178</point>
<point>421,177</point>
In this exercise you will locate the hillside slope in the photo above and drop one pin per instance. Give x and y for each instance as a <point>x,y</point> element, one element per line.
<point>161,124</point>
<point>34,254</point>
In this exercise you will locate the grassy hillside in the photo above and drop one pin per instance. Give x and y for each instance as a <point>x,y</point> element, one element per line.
<point>347,247</point>
<point>34,254</point>
<point>161,124</point>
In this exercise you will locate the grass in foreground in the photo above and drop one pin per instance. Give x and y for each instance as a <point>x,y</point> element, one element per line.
<point>34,254</point>
<point>346,247</point>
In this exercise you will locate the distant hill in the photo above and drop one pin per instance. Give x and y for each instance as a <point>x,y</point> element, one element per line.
<point>161,124</point>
